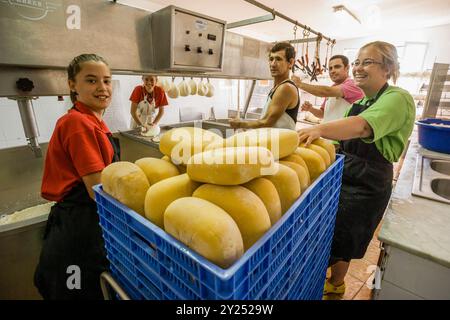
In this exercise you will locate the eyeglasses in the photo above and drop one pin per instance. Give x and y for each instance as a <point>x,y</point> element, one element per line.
<point>365,63</point>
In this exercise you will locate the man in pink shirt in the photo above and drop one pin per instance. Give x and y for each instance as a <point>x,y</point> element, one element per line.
<point>339,97</point>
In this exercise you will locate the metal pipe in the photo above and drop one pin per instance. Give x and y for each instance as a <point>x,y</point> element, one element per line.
<point>107,279</point>
<point>295,22</point>
<point>29,123</point>
<point>301,40</point>
<point>249,97</point>
<point>247,22</point>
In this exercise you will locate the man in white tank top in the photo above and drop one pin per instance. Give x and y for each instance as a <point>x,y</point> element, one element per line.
<point>339,97</point>
<point>280,110</point>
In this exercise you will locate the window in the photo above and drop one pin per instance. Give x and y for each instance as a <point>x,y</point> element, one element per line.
<point>412,56</point>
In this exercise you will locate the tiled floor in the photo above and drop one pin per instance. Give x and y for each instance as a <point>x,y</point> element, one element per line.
<point>360,275</point>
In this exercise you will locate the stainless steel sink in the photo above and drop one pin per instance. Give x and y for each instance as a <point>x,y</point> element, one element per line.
<point>194,123</point>
<point>441,187</point>
<point>224,121</point>
<point>441,166</point>
<point>432,179</point>
<point>218,124</point>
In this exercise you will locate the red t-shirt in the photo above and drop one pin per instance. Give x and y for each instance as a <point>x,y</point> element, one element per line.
<point>160,96</point>
<point>79,146</point>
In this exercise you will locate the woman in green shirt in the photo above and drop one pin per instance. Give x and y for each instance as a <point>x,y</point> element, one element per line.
<point>372,136</point>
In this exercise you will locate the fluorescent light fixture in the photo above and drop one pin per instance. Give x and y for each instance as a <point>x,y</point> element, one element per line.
<point>343,9</point>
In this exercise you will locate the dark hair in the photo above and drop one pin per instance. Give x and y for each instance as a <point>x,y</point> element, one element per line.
<point>340,56</point>
<point>289,50</point>
<point>75,67</point>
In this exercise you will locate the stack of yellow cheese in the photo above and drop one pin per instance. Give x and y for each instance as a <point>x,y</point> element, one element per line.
<point>219,196</point>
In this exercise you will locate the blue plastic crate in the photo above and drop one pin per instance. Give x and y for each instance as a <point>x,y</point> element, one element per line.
<point>288,262</point>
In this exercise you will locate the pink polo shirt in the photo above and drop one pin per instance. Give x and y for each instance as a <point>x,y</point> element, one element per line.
<point>350,90</point>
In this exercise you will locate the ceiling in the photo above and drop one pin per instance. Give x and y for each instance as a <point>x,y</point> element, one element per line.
<point>377,16</point>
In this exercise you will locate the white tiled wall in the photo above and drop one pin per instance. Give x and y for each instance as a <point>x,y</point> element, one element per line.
<point>49,109</point>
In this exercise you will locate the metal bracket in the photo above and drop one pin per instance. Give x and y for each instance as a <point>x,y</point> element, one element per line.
<point>237,24</point>
<point>105,280</point>
<point>301,40</point>
<point>249,98</point>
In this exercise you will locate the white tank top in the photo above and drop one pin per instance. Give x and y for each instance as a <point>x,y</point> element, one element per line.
<point>335,108</point>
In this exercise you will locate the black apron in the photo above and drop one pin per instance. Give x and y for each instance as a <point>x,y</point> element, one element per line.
<point>73,237</point>
<point>365,193</point>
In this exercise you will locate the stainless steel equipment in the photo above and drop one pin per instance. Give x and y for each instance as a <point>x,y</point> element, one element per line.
<point>128,45</point>
<point>220,126</point>
<point>432,179</point>
<point>20,247</point>
<point>29,123</point>
<point>187,40</point>
<point>38,43</point>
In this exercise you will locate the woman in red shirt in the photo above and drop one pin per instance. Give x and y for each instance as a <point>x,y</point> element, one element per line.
<point>144,100</point>
<point>73,254</point>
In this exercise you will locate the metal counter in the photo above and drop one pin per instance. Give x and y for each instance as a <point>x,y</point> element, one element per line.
<point>20,247</point>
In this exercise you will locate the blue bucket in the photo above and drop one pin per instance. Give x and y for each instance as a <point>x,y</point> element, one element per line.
<point>433,136</point>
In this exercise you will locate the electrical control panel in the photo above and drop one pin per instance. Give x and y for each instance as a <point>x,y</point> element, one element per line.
<point>183,40</point>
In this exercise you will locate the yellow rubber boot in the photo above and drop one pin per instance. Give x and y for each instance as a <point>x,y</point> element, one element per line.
<point>329,290</point>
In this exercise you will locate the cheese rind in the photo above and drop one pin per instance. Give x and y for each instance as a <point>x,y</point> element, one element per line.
<point>299,160</point>
<point>127,183</point>
<point>327,145</point>
<point>316,164</point>
<point>287,184</point>
<point>157,169</point>
<point>182,143</point>
<point>205,228</point>
<point>281,142</point>
<point>267,192</point>
<point>245,207</point>
<point>321,151</point>
<point>163,193</point>
<point>302,174</point>
<point>230,166</point>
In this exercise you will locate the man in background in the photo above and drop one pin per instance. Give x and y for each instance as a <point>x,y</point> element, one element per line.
<point>339,96</point>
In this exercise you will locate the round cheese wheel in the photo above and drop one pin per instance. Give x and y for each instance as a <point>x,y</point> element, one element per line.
<point>298,160</point>
<point>182,143</point>
<point>205,228</point>
<point>202,89</point>
<point>267,192</point>
<point>152,130</point>
<point>163,193</point>
<point>230,166</point>
<point>157,169</point>
<point>166,158</point>
<point>127,183</point>
<point>245,207</point>
<point>316,164</point>
<point>173,91</point>
<point>281,142</point>
<point>192,87</point>
<point>327,145</point>
<point>183,88</point>
<point>210,91</point>
<point>286,182</point>
<point>302,174</point>
<point>321,151</point>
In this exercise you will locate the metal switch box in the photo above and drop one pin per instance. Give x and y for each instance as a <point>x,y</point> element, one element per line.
<point>187,41</point>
